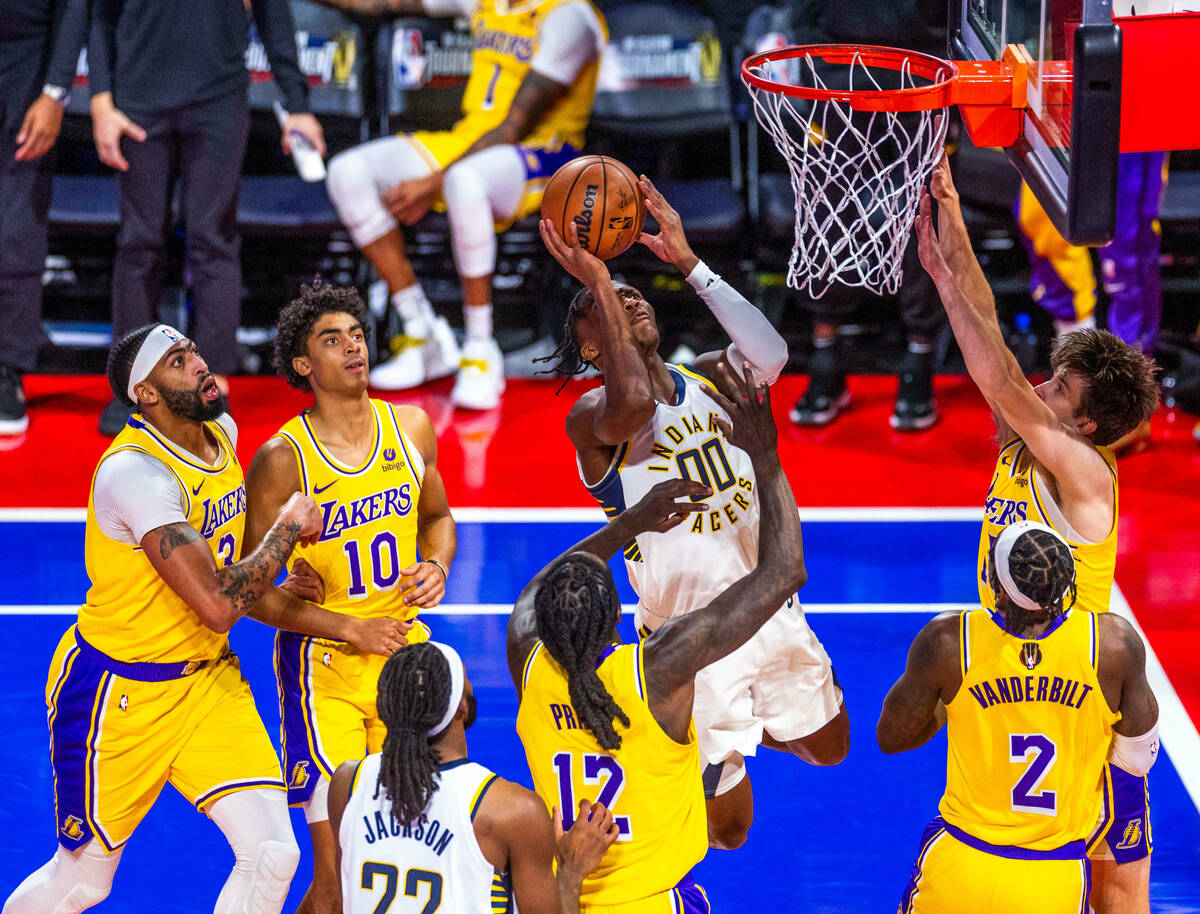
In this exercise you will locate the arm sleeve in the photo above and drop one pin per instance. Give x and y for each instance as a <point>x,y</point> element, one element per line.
<point>278,32</point>
<point>70,32</point>
<point>135,493</point>
<point>568,38</point>
<point>101,38</point>
<point>753,339</point>
<point>437,8</point>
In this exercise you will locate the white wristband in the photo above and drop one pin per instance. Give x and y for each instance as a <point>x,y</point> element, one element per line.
<point>1135,754</point>
<point>702,278</point>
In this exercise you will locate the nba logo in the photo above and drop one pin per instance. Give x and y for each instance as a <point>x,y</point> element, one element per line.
<point>1031,654</point>
<point>781,71</point>
<point>408,58</point>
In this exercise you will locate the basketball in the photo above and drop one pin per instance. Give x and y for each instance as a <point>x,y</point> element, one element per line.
<point>601,196</point>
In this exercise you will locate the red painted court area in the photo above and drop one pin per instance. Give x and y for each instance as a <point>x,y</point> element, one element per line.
<point>518,456</point>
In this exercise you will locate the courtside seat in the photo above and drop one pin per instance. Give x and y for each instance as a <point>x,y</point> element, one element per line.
<point>711,211</point>
<point>84,205</point>
<point>285,206</point>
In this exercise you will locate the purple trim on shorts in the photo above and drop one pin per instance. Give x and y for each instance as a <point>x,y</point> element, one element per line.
<point>1087,886</point>
<point>542,163</point>
<point>1075,850</point>
<point>300,769</point>
<point>1128,837</point>
<point>690,897</point>
<point>932,830</point>
<point>145,671</point>
<point>72,707</point>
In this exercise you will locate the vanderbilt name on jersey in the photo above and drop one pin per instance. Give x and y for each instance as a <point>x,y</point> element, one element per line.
<point>684,568</point>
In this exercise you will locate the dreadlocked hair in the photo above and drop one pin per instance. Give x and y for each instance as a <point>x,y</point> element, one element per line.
<point>576,610</point>
<point>120,361</point>
<point>1043,569</point>
<point>568,360</point>
<point>414,689</point>
<point>298,317</point>
<point>1119,388</point>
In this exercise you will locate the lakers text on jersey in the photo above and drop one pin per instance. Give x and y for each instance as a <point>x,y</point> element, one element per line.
<point>651,783</point>
<point>1019,492</point>
<point>436,862</point>
<point>369,515</point>
<point>685,568</point>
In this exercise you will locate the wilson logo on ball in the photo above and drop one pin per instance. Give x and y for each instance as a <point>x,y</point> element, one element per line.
<point>601,198</point>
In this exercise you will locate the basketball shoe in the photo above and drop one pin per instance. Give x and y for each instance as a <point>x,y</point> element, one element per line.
<point>480,376</point>
<point>916,408</point>
<point>827,395</point>
<point>417,360</point>
<point>13,420</point>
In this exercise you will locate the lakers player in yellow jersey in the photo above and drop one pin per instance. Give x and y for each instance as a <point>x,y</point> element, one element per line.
<point>1035,695</point>
<point>1055,466</point>
<point>144,690</point>
<point>525,108</point>
<point>372,468</point>
<point>612,722</point>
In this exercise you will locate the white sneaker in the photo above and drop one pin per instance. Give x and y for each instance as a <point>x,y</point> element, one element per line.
<point>441,352</point>
<point>405,369</point>
<point>480,376</point>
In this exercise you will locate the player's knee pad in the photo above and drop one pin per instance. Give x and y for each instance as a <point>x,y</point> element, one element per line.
<point>67,884</point>
<point>351,187</point>
<point>274,867</point>
<point>472,231</point>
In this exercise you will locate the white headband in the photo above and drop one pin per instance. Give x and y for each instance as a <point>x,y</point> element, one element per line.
<point>457,682</point>
<point>1004,545</point>
<point>156,344</point>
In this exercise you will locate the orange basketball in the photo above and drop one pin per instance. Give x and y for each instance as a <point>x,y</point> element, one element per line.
<point>601,196</point>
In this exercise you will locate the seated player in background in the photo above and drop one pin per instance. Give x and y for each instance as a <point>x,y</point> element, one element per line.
<point>1055,467</point>
<point>1035,695</point>
<point>372,467</point>
<point>467,840</point>
<point>144,690</point>
<point>652,421</point>
<point>600,717</point>
<point>525,108</point>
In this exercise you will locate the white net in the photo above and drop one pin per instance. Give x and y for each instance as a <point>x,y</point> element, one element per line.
<point>857,175</point>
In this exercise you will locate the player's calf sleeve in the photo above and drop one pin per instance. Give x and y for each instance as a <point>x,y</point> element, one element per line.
<point>472,232</point>
<point>257,827</point>
<point>67,884</point>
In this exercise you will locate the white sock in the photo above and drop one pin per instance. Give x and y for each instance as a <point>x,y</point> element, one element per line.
<point>414,309</point>
<point>478,319</point>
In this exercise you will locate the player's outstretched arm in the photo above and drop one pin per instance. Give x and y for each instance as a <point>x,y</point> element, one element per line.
<point>754,339</point>
<point>221,596</point>
<point>914,709</point>
<point>424,584</point>
<point>684,645</point>
<point>658,511</point>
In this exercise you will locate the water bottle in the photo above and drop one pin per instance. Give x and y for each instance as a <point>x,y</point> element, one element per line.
<point>304,154</point>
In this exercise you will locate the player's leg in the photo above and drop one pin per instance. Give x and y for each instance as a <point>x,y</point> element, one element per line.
<point>796,693</point>
<point>1121,862</point>
<point>729,802</point>
<point>72,881</point>
<point>1062,280</point>
<point>357,180</point>
<point>265,854</point>
<point>323,896</point>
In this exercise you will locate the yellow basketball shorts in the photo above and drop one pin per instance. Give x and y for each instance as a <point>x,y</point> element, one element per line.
<point>119,732</point>
<point>686,898</point>
<point>327,700</point>
<point>443,147</point>
<point>952,876</point>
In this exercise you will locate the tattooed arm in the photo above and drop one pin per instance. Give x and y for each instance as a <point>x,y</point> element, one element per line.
<point>221,596</point>
<point>684,645</point>
<point>914,709</point>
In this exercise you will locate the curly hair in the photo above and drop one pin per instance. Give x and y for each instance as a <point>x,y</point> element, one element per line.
<point>414,689</point>
<point>1043,569</point>
<point>120,361</point>
<point>1119,388</point>
<point>298,317</point>
<point>576,610</point>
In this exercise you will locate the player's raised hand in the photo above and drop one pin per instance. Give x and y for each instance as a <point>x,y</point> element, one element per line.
<point>580,849</point>
<point>381,635</point>
<point>929,246</point>
<point>670,244</point>
<point>660,509</point>
<point>305,582</point>
<point>422,585</point>
<point>302,509</point>
<point>575,259</point>
<point>752,425</point>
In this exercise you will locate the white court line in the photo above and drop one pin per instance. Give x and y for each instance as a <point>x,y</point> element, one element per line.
<point>1175,726</point>
<point>503,609</point>
<point>575,515</point>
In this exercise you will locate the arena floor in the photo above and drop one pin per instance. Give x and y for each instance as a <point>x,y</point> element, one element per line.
<point>891,527</point>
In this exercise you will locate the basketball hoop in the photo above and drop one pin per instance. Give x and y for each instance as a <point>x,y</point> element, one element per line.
<point>861,128</point>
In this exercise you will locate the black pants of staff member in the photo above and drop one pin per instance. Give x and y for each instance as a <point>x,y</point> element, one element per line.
<point>202,146</point>
<point>24,209</point>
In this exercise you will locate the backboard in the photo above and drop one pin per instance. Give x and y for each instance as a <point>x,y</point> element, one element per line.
<point>1070,136</point>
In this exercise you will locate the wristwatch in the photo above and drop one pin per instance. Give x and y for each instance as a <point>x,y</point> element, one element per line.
<point>61,96</point>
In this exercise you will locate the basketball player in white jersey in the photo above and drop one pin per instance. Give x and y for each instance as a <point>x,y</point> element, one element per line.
<point>420,819</point>
<point>651,421</point>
